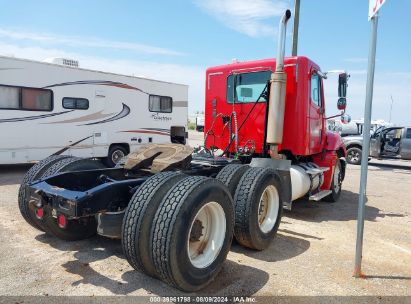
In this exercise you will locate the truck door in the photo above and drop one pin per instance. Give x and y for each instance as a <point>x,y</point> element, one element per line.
<point>316,112</point>
<point>405,144</point>
<point>375,143</point>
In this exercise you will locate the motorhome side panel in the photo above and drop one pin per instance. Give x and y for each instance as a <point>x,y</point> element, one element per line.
<point>100,109</point>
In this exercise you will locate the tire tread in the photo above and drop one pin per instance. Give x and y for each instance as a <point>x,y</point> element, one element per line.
<point>163,224</point>
<point>136,212</point>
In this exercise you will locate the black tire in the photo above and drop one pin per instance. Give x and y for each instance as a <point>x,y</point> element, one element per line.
<point>247,197</point>
<point>171,232</point>
<point>335,188</point>
<point>139,217</point>
<point>115,154</point>
<point>76,229</point>
<point>230,176</point>
<point>354,155</point>
<point>33,174</point>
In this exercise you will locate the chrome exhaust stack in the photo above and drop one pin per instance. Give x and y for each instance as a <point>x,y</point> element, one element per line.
<point>276,103</point>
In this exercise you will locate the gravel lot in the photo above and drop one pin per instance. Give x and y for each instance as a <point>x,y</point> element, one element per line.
<point>313,253</point>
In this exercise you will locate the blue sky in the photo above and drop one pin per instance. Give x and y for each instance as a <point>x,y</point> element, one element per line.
<point>177,40</point>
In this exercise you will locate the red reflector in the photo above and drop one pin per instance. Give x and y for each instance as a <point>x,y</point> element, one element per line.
<point>39,213</point>
<point>62,221</point>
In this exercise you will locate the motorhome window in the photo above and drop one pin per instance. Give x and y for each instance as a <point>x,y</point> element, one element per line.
<point>163,104</point>
<point>315,90</point>
<point>248,86</point>
<point>75,103</point>
<point>25,99</point>
<point>36,99</point>
<point>9,97</point>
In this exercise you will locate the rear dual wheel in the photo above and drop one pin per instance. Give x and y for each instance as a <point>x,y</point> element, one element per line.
<point>258,208</point>
<point>139,216</point>
<point>257,201</point>
<point>190,231</point>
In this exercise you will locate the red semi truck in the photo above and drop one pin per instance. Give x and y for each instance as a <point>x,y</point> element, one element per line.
<point>175,211</point>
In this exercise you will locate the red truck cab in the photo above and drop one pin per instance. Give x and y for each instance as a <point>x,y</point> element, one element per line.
<point>235,88</point>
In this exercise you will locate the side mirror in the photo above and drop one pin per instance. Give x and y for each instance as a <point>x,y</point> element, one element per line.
<point>345,118</point>
<point>342,103</point>
<point>342,85</point>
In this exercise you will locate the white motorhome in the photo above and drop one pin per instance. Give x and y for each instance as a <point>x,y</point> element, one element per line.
<point>57,108</point>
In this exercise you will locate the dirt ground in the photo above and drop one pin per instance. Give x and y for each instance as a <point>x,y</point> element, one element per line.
<point>313,253</point>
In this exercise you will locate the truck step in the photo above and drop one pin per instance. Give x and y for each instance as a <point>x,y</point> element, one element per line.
<point>318,196</point>
<point>314,171</point>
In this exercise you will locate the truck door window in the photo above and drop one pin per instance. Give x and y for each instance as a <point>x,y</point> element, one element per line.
<point>248,86</point>
<point>408,135</point>
<point>316,90</point>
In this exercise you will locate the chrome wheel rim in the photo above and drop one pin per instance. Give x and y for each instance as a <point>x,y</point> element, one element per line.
<point>117,155</point>
<point>354,156</point>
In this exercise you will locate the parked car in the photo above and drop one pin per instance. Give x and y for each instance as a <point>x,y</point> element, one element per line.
<point>392,142</point>
<point>353,144</point>
<point>200,123</point>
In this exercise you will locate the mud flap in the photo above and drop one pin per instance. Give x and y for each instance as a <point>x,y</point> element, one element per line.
<point>282,168</point>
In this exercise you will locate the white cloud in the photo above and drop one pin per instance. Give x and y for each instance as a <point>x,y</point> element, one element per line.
<point>194,76</point>
<point>246,16</point>
<point>88,42</point>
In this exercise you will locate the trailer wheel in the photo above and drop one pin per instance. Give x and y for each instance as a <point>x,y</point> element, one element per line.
<point>230,175</point>
<point>115,154</point>
<point>258,208</point>
<point>139,217</point>
<point>34,173</point>
<point>76,229</point>
<point>354,156</point>
<point>192,232</point>
<point>336,184</point>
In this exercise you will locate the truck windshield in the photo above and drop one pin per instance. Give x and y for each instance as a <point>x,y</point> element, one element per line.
<point>248,86</point>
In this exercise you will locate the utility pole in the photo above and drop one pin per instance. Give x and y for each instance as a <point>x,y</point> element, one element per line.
<point>295,27</point>
<point>374,7</point>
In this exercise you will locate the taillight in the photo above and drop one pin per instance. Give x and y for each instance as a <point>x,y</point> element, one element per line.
<point>62,220</point>
<point>40,213</point>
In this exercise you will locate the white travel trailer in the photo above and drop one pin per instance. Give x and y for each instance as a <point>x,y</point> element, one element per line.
<point>58,108</point>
